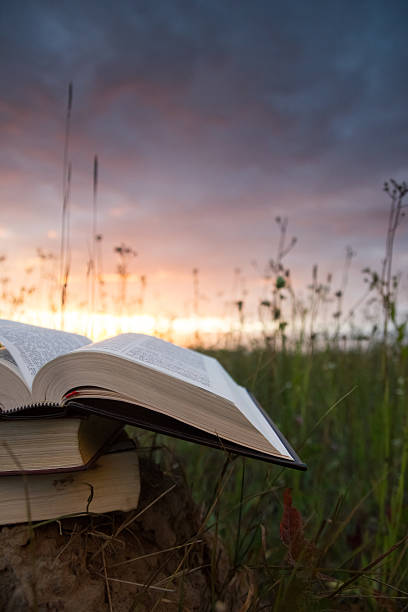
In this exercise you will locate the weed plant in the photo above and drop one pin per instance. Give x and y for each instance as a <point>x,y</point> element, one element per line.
<point>330,404</point>
<point>335,537</point>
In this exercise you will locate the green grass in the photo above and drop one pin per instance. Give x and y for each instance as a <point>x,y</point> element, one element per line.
<point>352,498</point>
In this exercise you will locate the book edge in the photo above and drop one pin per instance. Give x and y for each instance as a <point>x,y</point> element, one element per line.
<point>104,449</point>
<point>74,409</point>
<point>296,459</point>
<point>198,436</point>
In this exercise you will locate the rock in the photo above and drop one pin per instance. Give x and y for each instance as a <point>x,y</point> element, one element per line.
<point>159,558</point>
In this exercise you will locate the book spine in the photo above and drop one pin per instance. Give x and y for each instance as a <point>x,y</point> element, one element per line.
<point>48,410</point>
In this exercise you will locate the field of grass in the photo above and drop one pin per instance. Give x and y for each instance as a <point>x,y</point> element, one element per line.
<point>345,544</point>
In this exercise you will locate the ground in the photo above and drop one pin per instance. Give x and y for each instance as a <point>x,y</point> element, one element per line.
<point>88,564</point>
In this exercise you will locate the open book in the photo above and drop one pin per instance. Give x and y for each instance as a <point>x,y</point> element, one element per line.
<point>136,379</point>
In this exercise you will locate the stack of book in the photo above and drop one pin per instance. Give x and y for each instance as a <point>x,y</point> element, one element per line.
<point>63,400</point>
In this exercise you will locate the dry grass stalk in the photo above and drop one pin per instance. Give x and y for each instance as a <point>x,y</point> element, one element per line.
<point>154,554</point>
<point>129,521</point>
<point>66,194</point>
<point>106,581</point>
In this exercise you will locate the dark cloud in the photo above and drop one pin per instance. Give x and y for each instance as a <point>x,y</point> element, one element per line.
<point>208,117</point>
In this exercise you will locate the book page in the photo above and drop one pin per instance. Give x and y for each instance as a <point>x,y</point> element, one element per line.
<point>6,357</point>
<point>184,364</point>
<point>192,367</point>
<point>244,402</point>
<point>7,360</point>
<point>31,347</point>
<point>248,408</point>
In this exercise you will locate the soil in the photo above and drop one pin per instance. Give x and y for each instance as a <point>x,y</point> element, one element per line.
<point>120,561</point>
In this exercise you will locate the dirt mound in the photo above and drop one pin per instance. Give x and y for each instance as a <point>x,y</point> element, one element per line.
<point>157,557</point>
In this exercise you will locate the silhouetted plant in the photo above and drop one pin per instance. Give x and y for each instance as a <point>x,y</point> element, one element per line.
<point>385,283</point>
<point>65,251</point>
<point>278,280</point>
<point>94,239</point>
<point>125,254</point>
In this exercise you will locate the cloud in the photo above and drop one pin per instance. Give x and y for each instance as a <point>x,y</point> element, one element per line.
<point>118,211</point>
<point>5,232</point>
<point>208,119</point>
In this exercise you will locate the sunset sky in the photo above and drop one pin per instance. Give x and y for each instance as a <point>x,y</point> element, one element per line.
<point>209,119</point>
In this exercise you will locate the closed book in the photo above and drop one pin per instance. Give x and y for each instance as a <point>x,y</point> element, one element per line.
<point>52,441</point>
<point>111,483</point>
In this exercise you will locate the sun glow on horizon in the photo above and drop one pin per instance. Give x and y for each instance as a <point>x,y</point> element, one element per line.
<point>181,330</point>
